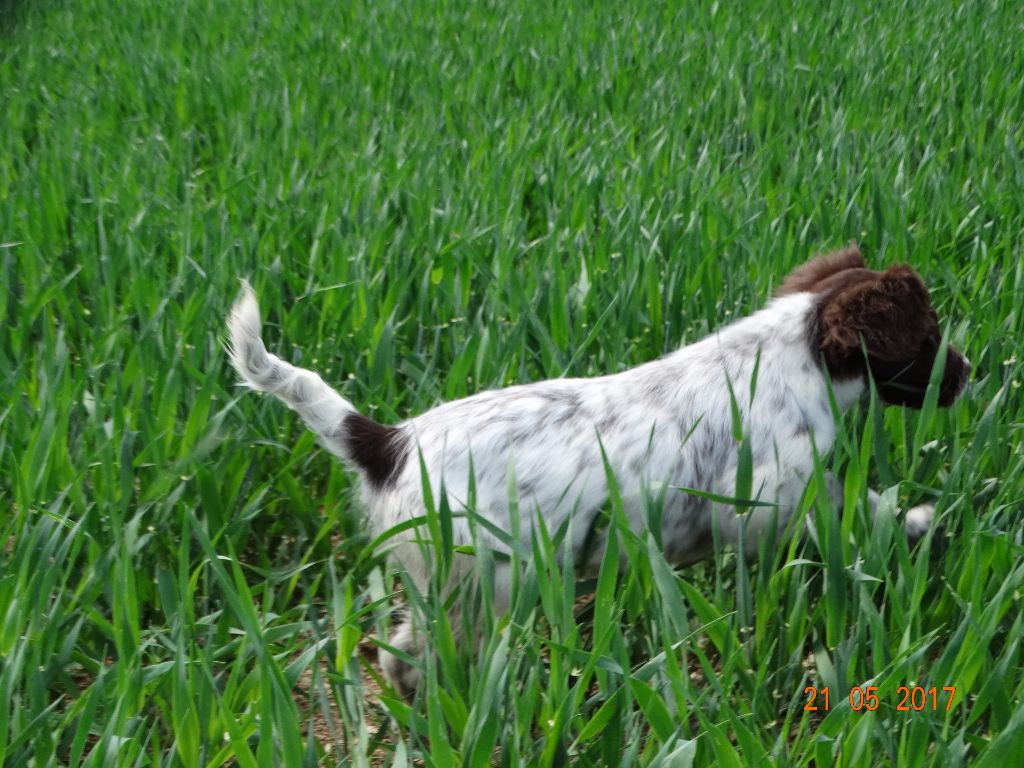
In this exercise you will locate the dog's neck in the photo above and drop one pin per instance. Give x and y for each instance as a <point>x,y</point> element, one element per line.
<point>786,326</point>
<point>778,338</point>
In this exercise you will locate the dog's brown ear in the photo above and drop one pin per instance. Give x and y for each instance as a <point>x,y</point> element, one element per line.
<point>811,275</point>
<point>891,312</point>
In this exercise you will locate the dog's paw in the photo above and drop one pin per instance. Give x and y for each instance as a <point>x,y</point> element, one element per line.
<point>918,520</point>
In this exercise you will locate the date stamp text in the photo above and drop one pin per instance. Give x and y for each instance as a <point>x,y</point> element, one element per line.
<point>916,698</point>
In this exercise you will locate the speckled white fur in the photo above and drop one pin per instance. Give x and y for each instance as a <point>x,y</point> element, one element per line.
<point>665,423</point>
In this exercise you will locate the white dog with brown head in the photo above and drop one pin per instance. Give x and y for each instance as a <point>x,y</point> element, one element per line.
<point>833,324</point>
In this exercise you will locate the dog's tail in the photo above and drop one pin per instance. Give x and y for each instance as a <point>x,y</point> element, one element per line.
<point>375,449</point>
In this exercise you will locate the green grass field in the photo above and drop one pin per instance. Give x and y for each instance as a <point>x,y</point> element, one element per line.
<point>433,199</point>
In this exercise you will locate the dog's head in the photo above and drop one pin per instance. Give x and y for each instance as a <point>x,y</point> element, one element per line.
<point>880,324</point>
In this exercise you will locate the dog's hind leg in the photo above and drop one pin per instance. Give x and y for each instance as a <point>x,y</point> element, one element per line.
<point>461,601</point>
<point>409,640</point>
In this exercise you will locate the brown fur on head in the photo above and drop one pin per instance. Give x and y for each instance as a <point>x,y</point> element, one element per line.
<point>815,274</point>
<point>877,323</point>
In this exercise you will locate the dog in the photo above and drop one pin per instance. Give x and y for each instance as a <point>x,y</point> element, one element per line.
<point>832,325</point>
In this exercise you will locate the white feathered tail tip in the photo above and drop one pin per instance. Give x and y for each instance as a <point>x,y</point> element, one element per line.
<point>245,334</point>
<point>302,390</point>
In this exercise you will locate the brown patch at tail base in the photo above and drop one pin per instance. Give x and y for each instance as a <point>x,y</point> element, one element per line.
<point>379,450</point>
